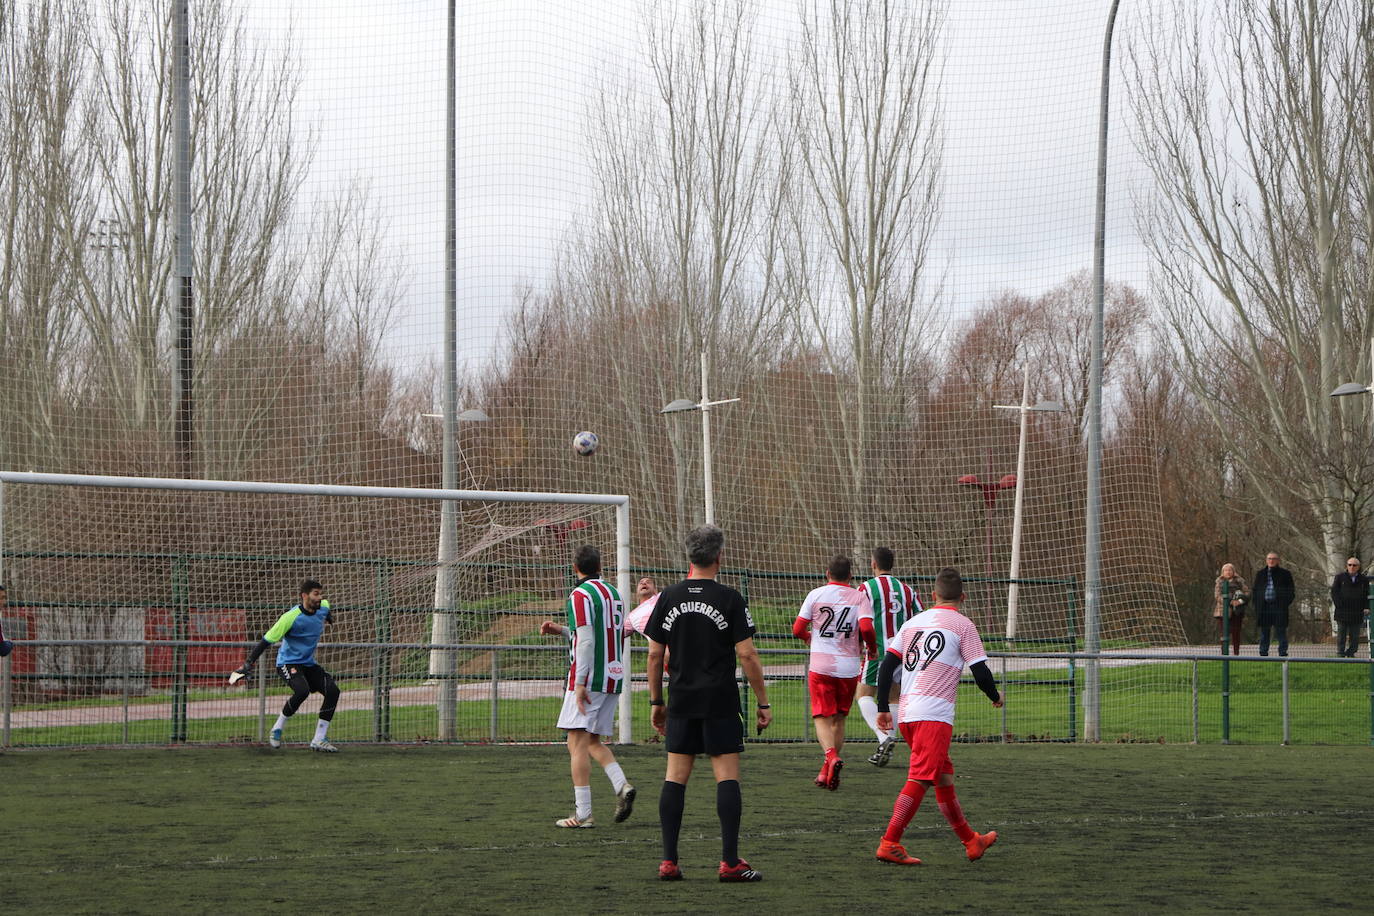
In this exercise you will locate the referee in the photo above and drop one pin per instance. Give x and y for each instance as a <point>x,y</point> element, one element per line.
<point>705,626</point>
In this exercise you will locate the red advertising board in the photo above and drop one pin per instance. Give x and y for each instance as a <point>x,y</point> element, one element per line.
<point>219,624</point>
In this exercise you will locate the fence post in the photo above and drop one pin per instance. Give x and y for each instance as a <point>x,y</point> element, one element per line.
<point>180,652</point>
<point>1286,734</point>
<point>1195,709</point>
<point>381,668</point>
<point>8,699</point>
<point>124,690</point>
<point>1225,663</point>
<point>262,703</point>
<point>1004,699</point>
<point>495,692</point>
<point>1073,669</point>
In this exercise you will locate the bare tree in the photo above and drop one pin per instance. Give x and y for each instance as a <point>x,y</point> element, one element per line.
<point>1254,119</point>
<point>45,162</point>
<point>678,258</point>
<point>865,122</point>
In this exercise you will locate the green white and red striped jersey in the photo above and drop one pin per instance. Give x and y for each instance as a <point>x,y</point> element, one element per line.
<point>596,604</point>
<point>893,603</point>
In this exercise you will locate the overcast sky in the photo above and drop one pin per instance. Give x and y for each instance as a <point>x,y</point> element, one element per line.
<point>1021,88</point>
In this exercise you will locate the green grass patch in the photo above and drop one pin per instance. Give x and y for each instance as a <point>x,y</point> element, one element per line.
<point>1083,829</point>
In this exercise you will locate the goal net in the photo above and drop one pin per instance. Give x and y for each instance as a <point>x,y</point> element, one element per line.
<point>136,610</point>
<point>870,223</point>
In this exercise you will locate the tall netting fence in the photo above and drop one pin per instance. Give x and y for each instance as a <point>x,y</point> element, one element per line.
<point>870,223</point>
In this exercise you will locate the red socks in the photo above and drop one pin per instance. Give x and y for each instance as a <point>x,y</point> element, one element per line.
<point>949,807</point>
<point>904,809</point>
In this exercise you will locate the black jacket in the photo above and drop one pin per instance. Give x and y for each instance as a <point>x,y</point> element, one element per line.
<point>1350,597</point>
<point>1284,593</point>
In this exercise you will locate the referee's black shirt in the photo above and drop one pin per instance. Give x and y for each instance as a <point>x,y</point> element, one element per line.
<point>700,620</point>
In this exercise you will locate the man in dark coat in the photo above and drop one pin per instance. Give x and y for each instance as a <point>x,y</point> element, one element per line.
<point>1350,595</point>
<point>1272,593</point>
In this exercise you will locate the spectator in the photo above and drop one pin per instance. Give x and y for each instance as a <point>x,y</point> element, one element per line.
<point>1230,588</point>
<point>1272,593</point>
<point>1350,596</point>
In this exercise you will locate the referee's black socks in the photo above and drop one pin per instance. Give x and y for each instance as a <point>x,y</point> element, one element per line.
<point>729,805</point>
<point>670,804</point>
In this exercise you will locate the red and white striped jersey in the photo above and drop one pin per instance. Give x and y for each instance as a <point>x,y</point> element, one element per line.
<point>934,647</point>
<point>835,611</point>
<point>596,604</point>
<point>638,619</point>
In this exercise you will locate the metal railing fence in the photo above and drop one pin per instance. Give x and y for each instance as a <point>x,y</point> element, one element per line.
<point>511,693</point>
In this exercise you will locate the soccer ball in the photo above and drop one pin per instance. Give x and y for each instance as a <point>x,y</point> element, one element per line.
<point>585,443</point>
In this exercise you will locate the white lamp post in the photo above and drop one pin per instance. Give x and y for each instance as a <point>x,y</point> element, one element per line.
<point>704,405</point>
<point>1014,588</point>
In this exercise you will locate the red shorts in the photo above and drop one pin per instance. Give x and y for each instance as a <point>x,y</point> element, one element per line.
<point>831,696</point>
<point>929,742</point>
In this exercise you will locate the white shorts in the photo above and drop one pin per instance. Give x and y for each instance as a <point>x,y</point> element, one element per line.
<point>599,719</point>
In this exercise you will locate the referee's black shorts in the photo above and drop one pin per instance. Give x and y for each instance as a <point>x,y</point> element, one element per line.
<point>724,735</point>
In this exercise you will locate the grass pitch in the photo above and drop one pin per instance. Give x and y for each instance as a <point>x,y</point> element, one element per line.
<point>1083,829</point>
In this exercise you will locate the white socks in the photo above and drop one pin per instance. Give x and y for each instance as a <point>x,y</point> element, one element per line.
<point>321,731</point>
<point>617,777</point>
<point>281,722</point>
<point>582,795</point>
<point>869,707</point>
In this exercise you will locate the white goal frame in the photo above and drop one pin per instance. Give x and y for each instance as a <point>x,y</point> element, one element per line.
<point>619,501</point>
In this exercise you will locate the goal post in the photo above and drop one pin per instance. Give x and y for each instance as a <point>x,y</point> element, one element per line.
<point>494,534</point>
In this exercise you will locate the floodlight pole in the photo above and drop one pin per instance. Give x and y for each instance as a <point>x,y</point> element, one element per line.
<point>709,497</point>
<point>1025,407</point>
<point>704,405</point>
<point>1013,589</point>
<point>1092,571</point>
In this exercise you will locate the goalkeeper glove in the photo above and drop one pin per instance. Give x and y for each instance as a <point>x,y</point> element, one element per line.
<point>241,672</point>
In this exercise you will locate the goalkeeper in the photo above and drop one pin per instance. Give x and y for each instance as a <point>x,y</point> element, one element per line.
<point>298,631</point>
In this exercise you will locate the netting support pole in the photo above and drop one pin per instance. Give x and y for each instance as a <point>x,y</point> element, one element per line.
<point>185,322</point>
<point>1092,579</point>
<point>622,582</point>
<point>445,666</point>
